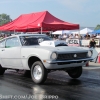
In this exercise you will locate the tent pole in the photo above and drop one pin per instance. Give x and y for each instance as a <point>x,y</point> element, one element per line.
<point>79,31</point>
<point>41,30</point>
<point>80,39</point>
<point>14,31</point>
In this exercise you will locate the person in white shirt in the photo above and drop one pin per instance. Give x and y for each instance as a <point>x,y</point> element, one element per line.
<point>64,36</point>
<point>98,36</point>
<point>76,36</point>
<point>71,36</point>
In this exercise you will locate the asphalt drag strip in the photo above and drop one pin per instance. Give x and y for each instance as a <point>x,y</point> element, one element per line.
<point>58,84</point>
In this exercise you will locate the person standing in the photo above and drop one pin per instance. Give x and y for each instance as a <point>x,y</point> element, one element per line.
<point>87,36</point>
<point>64,36</point>
<point>92,43</point>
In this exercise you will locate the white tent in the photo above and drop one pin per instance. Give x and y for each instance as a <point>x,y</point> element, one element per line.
<point>76,32</point>
<point>85,30</point>
<point>61,32</point>
<point>57,32</point>
<point>66,31</point>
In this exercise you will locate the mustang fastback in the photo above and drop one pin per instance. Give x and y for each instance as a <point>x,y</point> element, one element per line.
<point>39,54</point>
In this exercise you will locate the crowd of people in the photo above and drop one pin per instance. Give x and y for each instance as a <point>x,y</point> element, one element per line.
<point>4,36</point>
<point>77,36</point>
<point>65,36</point>
<point>92,43</point>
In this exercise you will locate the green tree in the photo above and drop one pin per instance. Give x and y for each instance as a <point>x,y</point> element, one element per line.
<point>97,27</point>
<point>4,18</point>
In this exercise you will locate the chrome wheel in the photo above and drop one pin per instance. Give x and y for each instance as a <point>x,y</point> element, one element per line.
<point>37,72</point>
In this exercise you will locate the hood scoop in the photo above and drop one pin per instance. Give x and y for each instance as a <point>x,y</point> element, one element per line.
<point>53,43</point>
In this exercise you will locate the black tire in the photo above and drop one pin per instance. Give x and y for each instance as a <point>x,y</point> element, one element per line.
<point>75,72</point>
<point>2,70</point>
<point>43,73</point>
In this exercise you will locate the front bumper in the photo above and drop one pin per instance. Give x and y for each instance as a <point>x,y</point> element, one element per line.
<point>60,64</point>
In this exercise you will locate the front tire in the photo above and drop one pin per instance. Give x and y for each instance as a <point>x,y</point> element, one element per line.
<point>38,73</point>
<point>75,72</point>
<point>2,70</point>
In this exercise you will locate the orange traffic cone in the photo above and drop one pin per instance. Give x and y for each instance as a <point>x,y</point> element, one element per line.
<point>98,59</point>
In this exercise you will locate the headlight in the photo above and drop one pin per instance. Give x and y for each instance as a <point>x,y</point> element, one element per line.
<point>54,56</point>
<point>89,54</point>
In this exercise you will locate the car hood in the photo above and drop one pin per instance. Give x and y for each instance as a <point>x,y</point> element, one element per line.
<point>59,48</point>
<point>65,48</point>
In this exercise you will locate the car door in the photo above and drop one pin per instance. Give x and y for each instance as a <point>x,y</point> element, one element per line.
<point>11,54</point>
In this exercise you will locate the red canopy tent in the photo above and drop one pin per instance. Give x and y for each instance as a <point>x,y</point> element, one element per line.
<point>40,21</point>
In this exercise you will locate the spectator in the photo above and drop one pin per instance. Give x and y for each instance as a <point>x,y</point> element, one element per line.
<point>48,34</point>
<point>87,36</point>
<point>92,36</point>
<point>64,36</point>
<point>80,36</point>
<point>71,36</point>
<point>98,36</point>
<point>55,37</point>
<point>76,36</point>
<point>92,43</point>
<point>1,37</point>
<point>60,37</point>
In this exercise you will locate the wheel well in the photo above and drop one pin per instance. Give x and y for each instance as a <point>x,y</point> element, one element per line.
<point>32,60</point>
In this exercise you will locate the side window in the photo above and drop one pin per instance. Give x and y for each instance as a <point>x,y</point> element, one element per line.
<point>12,42</point>
<point>2,44</point>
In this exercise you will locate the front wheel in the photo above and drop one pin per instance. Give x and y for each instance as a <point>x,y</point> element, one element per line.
<point>75,72</point>
<point>38,73</point>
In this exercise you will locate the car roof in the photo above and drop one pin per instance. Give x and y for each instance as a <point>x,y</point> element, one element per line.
<point>24,35</point>
<point>31,35</point>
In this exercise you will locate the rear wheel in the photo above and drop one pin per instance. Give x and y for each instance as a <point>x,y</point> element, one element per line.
<point>75,72</point>
<point>38,73</point>
<point>2,70</point>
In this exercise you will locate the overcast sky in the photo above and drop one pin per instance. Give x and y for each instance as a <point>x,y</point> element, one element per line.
<point>84,12</point>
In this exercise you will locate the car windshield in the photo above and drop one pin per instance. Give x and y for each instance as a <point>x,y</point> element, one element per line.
<point>33,40</point>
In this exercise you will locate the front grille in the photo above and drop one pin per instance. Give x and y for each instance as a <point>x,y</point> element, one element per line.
<point>72,56</point>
